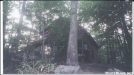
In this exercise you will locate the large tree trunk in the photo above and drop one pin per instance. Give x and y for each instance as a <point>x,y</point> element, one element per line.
<point>72,54</point>
<point>127,41</point>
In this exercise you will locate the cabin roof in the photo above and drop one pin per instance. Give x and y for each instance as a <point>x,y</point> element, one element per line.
<point>88,35</point>
<point>85,32</point>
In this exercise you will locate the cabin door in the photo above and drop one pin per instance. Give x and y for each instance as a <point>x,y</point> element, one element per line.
<point>83,51</point>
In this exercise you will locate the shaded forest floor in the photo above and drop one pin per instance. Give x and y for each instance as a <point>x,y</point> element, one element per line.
<point>96,68</point>
<point>93,68</point>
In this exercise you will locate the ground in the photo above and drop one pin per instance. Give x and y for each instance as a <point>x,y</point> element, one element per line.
<point>94,68</point>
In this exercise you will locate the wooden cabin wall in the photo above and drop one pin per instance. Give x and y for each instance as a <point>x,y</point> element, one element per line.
<point>93,51</point>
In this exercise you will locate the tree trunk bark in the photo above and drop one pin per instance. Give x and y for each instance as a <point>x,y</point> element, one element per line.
<point>128,39</point>
<point>121,47</point>
<point>110,49</point>
<point>72,52</point>
<point>127,35</point>
<point>41,28</point>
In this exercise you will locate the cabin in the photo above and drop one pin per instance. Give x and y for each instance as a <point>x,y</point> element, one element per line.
<point>87,47</point>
